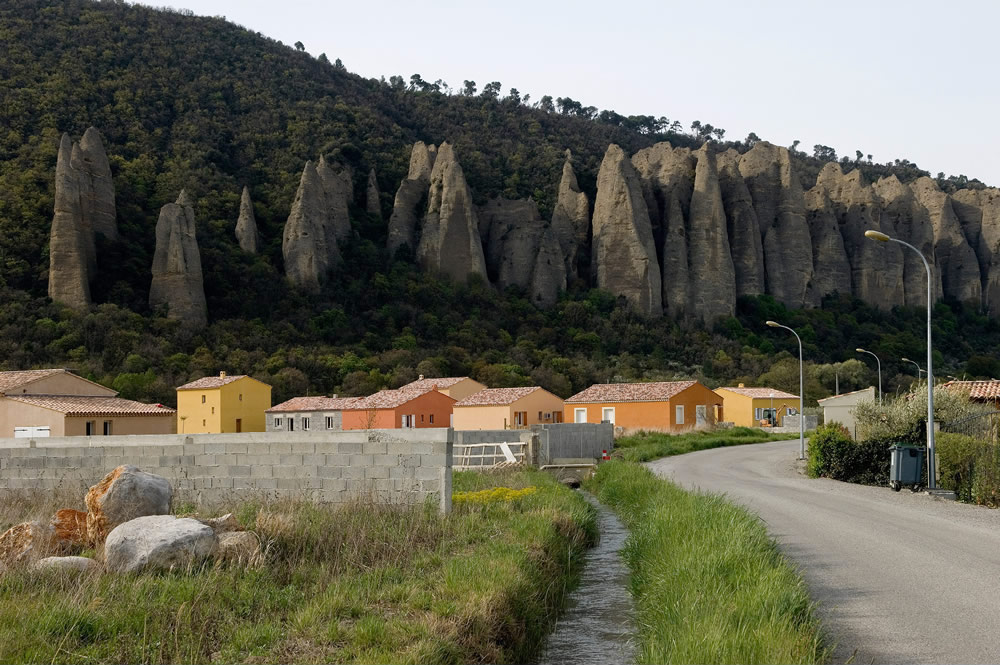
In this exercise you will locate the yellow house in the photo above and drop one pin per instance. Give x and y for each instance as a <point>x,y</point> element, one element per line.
<point>753,407</point>
<point>507,408</point>
<point>220,404</point>
<point>455,387</point>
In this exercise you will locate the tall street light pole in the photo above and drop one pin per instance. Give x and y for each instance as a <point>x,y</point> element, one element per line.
<point>802,415</point>
<point>879,372</point>
<point>915,364</point>
<point>931,465</point>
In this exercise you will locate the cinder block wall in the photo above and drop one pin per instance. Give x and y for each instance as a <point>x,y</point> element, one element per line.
<point>385,466</point>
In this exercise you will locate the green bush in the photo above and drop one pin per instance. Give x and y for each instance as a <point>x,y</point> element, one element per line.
<point>833,454</point>
<point>970,467</point>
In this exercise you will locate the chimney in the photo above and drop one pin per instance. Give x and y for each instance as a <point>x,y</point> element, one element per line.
<point>222,375</point>
<point>741,385</point>
<point>421,378</point>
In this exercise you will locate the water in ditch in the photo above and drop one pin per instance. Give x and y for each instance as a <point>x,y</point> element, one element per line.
<point>598,625</point>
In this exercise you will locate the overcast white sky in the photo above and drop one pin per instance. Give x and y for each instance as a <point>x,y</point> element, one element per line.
<point>897,79</point>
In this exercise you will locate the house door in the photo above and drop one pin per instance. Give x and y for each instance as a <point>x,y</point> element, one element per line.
<point>239,424</point>
<point>701,415</point>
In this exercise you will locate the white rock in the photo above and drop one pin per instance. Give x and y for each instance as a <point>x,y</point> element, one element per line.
<point>74,564</point>
<point>157,542</point>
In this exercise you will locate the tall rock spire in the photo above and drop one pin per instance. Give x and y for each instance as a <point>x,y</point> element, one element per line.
<point>373,206</point>
<point>309,244</point>
<point>177,278</point>
<point>69,270</point>
<point>403,223</point>
<point>571,217</point>
<point>246,225</point>
<point>712,292</point>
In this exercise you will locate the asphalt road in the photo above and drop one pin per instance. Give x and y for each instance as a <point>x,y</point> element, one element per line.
<point>898,577</point>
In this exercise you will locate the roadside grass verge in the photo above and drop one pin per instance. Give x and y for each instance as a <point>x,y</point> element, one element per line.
<point>645,446</point>
<point>710,585</point>
<point>358,583</point>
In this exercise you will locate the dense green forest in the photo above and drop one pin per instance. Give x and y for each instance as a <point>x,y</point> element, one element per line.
<point>199,103</point>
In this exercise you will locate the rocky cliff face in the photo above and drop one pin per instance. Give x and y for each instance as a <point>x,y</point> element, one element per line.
<point>712,293</point>
<point>741,222</point>
<point>571,218</point>
<point>522,250</point>
<point>624,258</point>
<point>958,263</point>
<point>246,225</point>
<point>84,205</point>
<point>979,212</point>
<point>309,241</point>
<point>449,239</point>
<point>177,277</point>
<point>404,221</point>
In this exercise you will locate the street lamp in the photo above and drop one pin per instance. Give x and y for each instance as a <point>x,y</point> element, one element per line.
<point>879,372</point>
<point>802,415</point>
<point>931,466</point>
<point>915,364</point>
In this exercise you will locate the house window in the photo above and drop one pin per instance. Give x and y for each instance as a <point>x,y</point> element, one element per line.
<point>432,419</point>
<point>291,424</point>
<point>329,422</point>
<point>203,422</point>
<point>91,427</point>
<point>539,415</point>
<point>107,428</point>
<point>758,414</point>
<point>579,415</point>
<point>548,416</point>
<point>421,417</point>
<point>276,423</point>
<point>679,414</point>
<point>305,424</point>
<point>608,414</point>
<point>202,399</point>
<point>213,410</point>
<point>520,418</point>
<point>241,397</point>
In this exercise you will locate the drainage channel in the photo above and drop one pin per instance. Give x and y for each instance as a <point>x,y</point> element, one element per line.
<point>599,623</point>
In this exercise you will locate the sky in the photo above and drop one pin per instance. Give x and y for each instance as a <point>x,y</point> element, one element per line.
<point>895,79</point>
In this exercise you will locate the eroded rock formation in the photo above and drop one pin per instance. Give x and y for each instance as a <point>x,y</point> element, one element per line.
<point>338,191</point>
<point>404,221</point>
<point>246,225</point>
<point>177,278</point>
<point>623,252</point>
<point>956,260</point>
<point>571,218</point>
<point>372,205</point>
<point>449,239</point>
<point>309,244</point>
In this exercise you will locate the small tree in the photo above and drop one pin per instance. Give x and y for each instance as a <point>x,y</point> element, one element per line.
<point>299,46</point>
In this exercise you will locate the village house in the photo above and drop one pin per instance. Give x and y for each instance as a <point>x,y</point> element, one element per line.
<point>754,407</point>
<point>455,387</point>
<point>220,404</point>
<point>667,406</point>
<point>303,414</point>
<point>393,409</point>
<point>986,391</point>
<point>56,402</point>
<point>508,408</point>
<point>840,408</point>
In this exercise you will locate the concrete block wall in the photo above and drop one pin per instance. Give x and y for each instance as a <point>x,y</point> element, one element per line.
<point>385,466</point>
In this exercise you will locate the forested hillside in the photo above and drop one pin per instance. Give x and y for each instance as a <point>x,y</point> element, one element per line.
<point>196,103</point>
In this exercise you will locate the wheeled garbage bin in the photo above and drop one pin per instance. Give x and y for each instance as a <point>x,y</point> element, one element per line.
<point>907,463</point>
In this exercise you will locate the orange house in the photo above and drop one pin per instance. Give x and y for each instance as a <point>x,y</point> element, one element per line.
<point>668,406</point>
<point>394,409</point>
<point>457,387</point>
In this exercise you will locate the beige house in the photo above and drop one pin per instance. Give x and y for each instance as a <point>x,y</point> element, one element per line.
<point>507,408</point>
<point>304,414</point>
<point>455,387</point>
<point>840,408</point>
<point>56,402</point>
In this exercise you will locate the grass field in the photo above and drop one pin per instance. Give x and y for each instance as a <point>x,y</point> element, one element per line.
<point>710,585</point>
<point>646,446</point>
<point>359,584</point>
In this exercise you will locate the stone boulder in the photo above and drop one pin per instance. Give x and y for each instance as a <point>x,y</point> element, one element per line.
<point>125,494</point>
<point>571,218</point>
<point>67,564</point>
<point>29,541</point>
<point>178,282</point>
<point>449,239</point>
<point>71,526</point>
<point>960,275</point>
<point>404,221</point>
<point>623,252</point>
<point>779,203</point>
<point>246,225</point>
<point>236,547</point>
<point>373,205</point>
<point>71,244</point>
<point>157,542</point>
<point>309,244</point>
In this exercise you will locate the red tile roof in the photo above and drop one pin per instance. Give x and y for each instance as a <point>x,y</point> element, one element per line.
<point>759,393</point>
<point>497,396</point>
<point>85,405</point>
<point>319,403</point>
<point>12,380</point>
<point>209,382</point>
<point>631,392</point>
<point>980,390</point>
<point>386,399</point>
<point>428,384</point>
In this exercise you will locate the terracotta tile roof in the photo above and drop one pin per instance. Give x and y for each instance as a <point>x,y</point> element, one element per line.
<point>210,382</point>
<point>981,390</point>
<point>631,392</point>
<point>318,403</point>
<point>427,384</point>
<point>12,380</point>
<point>386,399</point>
<point>497,396</point>
<point>85,405</point>
<point>870,389</point>
<point>758,393</point>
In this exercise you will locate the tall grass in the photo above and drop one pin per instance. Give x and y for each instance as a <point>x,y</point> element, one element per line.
<point>357,583</point>
<point>645,446</point>
<point>710,585</point>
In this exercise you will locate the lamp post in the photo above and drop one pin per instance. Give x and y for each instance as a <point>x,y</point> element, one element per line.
<point>879,372</point>
<point>915,364</point>
<point>802,415</point>
<point>931,465</point>
<point>771,417</point>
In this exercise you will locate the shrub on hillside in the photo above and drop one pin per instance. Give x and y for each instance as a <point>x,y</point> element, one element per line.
<point>833,454</point>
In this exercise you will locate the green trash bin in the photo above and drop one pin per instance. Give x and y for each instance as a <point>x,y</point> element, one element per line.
<point>907,463</point>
